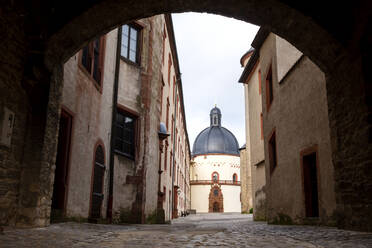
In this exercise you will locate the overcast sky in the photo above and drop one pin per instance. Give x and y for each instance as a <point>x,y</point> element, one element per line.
<point>209,50</point>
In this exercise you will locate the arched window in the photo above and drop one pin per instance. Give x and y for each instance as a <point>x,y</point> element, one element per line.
<point>215,192</point>
<point>235,178</point>
<point>215,177</point>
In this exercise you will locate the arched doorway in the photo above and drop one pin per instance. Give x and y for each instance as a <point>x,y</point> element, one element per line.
<point>216,207</point>
<point>97,184</point>
<point>215,200</point>
<point>60,187</point>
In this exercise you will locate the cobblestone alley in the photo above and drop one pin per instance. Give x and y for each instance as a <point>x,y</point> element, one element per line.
<point>201,230</point>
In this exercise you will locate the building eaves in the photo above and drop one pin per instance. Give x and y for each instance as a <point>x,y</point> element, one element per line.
<point>257,42</point>
<point>172,41</point>
<point>249,67</point>
<point>260,38</point>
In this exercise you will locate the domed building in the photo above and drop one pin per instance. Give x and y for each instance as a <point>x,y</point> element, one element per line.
<point>215,186</point>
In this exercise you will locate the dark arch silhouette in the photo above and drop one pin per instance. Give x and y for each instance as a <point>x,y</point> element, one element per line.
<point>334,37</point>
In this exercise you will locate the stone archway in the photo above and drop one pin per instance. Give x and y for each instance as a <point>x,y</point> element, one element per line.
<point>40,36</point>
<point>215,200</point>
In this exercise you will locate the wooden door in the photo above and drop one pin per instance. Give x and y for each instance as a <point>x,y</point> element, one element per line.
<point>98,177</point>
<point>311,185</point>
<point>60,186</point>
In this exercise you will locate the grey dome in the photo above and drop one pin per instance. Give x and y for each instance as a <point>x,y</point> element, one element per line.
<point>215,139</point>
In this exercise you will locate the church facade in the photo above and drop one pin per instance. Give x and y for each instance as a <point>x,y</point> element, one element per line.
<point>215,169</point>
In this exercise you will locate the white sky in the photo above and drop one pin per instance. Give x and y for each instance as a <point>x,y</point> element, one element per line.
<point>209,50</point>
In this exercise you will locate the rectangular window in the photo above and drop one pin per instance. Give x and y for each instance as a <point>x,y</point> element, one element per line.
<point>272,152</point>
<point>261,116</point>
<point>165,158</point>
<point>92,60</point>
<point>130,43</point>
<point>164,193</point>
<point>174,88</point>
<point>169,67</point>
<point>164,37</point>
<point>269,89</point>
<point>167,117</point>
<point>125,134</point>
<point>259,82</point>
<point>172,128</point>
<point>161,98</point>
<point>170,163</point>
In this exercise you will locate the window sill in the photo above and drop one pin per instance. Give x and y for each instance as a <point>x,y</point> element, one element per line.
<point>124,154</point>
<point>130,62</point>
<point>87,74</point>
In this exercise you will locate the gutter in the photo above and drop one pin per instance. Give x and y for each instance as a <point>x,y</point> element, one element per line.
<point>112,138</point>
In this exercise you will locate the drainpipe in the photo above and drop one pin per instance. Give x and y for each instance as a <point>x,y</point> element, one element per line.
<point>174,143</point>
<point>185,186</point>
<point>113,119</point>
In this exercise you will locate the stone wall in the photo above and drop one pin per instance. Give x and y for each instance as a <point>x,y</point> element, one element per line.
<point>13,97</point>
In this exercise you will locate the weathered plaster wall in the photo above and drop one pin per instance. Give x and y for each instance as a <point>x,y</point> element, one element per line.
<point>199,198</point>
<point>91,111</point>
<point>286,56</point>
<point>246,181</point>
<point>177,143</point>
<point>254,139</point>
<point>231,198</point>
<point>259,191</point>
<point>300,118</point>
<point>226,166</point>
<point>154,80</point>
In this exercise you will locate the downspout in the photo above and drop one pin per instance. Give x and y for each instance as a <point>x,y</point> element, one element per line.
<point>185,186</point>
<point>174,143</point>
<point>113,119</point>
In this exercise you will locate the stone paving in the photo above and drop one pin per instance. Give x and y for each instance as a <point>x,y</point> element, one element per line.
<point>201,230</point>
